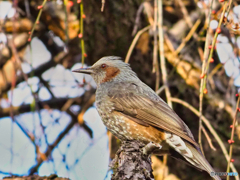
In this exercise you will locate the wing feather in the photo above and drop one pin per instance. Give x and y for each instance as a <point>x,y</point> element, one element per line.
<point>145,107</point>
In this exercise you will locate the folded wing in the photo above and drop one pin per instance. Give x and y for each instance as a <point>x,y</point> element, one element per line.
<point>145,107</point>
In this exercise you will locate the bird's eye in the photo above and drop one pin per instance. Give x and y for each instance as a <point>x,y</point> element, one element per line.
<point>103,66</point>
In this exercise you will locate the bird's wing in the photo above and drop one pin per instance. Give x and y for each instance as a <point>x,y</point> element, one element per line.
<point>141,104</point>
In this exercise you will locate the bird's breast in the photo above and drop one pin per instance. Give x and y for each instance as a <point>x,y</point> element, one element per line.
<point>124,128</point>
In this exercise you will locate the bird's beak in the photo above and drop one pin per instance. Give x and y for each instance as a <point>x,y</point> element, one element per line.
<point>84,70</point>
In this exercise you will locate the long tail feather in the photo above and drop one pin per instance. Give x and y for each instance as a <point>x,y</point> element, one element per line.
<point>189,153</point>
<point>204,165</point>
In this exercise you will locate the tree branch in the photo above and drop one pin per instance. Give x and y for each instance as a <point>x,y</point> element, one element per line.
<point>133,161</point>
<point>74,121</point>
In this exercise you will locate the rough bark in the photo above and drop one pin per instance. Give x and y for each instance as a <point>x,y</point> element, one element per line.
<point>133,161</point>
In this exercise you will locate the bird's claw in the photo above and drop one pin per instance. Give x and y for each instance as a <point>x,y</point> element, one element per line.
<point>150,147</point>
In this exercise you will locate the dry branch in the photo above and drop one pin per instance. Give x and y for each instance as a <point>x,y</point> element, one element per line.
<point>132,161</point>
<point>85,99</point>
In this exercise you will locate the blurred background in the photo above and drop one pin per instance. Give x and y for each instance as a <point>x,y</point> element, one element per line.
<point>48,119</point>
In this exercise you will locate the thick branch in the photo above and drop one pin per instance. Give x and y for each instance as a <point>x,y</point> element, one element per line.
<point>132,161</point>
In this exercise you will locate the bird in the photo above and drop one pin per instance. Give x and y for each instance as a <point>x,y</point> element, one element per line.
<point>131,110</point>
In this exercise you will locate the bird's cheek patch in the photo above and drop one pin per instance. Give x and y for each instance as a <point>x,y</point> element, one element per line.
<point>111,72</point>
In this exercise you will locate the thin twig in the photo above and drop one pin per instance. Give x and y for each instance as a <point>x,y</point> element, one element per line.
<point>66,20</point>
<point>103,4</point>
<point>162,59</point>
<point>160,90</point>
<point>185,13</point>
<point>155,47</point>
<point>13,84</point>
<point>189,22</point>
<point>229,7</point>
<point>27,8</point>
<point>213,44</point>
<point>188,37</point>
<point>206,51</point>
<point>161,50</point>
<point>85,99</point>
<point>82,16</point>
<point>215,70</point>
<point>37,20</point>
<point>210,128</point>
<point>134,42</point>
<point>208,139</point>
<point>232,136</point>
<point>205,71</point>
<point>137,20</point>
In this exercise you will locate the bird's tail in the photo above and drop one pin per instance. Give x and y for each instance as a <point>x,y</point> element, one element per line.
<point>183,150</point>
<point>199,161</point>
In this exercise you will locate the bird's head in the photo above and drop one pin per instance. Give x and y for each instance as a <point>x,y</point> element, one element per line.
<point>110,68</point>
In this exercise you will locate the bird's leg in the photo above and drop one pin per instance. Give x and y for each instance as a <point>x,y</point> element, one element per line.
<point>150,148</point>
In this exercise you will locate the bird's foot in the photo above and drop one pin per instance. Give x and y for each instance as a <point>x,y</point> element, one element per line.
<point>150,147</point>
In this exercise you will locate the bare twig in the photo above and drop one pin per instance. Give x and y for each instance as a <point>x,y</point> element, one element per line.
<point>185,13</point>
<point>134,42</point>
<point>161,50</point>
<point>27,8</point>
<point>162,59</point>
<point>229,7</point>
<point>145,7</point>
<point>213,45</point>
<point>82,16</point>
<point>85,98</point>
<point>32,139</point>
<point>189,23</point>
<point>52,146</point>
<point>188,37</point>
<point>160,90</point>
<point>155,47</point>
<point>103,4</point>
<point>206,68</point>
<point>37,19</point>
<point>215,70</point>
<point>206,51</point>
<point>66,10</point>
<point>53,103</point>
<point>208,139</point>
<point>232,136</point>
<point>137,20</point>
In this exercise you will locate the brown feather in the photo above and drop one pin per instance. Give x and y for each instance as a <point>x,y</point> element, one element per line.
<point>139,129</point>
<point>152,111</point>
<point>111,72</point>
<point>135,120</point>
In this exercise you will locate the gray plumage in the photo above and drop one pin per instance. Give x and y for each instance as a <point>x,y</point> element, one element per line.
<point>133,111</point>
